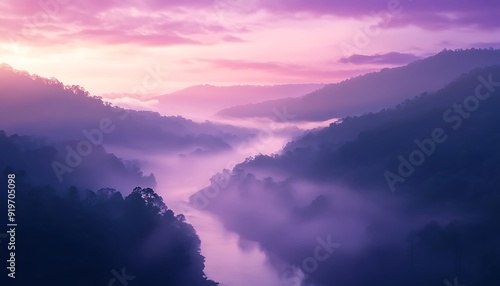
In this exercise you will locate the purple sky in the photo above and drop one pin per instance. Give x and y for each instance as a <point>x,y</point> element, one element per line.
<point>113,46</point>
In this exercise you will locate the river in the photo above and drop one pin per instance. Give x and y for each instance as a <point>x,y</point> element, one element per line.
<point>230,260</point>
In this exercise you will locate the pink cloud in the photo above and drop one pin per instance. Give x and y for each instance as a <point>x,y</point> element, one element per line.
<point>129,19</point>
<point>427,14</point>
<point>108,22</point>
<point>258,39</point>
<point>292,71</point>
<point>233,39</point>
<point>119,37</point>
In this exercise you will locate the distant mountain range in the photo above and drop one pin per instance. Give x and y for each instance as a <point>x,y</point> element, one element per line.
<point>374,91</point>
<point>206,100</point>
<point>46,108</point>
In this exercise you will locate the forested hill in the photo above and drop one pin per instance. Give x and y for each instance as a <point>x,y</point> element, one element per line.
<point>38,106</point>
<point>80,232</point>
<point>419,179</point>
<point>374,91</point>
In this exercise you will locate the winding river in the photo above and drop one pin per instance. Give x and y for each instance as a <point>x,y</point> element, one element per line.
<point>229,260</point>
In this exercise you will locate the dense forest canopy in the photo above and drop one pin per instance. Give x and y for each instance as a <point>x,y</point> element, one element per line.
<point>438,219</point>
<point>80,235</point>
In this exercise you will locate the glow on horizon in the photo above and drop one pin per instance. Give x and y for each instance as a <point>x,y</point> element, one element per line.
<point>226,43</point>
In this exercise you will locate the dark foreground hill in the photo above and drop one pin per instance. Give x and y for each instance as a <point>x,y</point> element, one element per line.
<point>405,196</point>
<point>81,235</point>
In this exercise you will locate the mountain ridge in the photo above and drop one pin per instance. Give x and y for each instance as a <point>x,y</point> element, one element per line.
<point>374,91</point>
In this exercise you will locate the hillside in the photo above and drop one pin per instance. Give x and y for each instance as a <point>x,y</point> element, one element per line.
<point>47,108</point>
<point>83,222</point>
<point>56,166</point>
<point>416,186</point>
<point>374,91</point>
<point>136,238</point>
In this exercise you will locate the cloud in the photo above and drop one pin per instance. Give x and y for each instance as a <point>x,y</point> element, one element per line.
<point>232,39</point>
<point>283,69</point>
<point>133,103</point>
<point>149,23</point>
<point>427,14</point>
<point>176,22</point>
<point>120,37</point>
<point>392,58</point>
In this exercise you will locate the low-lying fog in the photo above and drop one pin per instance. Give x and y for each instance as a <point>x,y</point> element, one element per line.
<point>230,259</point>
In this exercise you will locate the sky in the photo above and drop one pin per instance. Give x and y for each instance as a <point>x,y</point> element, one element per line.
<point>155,46</point>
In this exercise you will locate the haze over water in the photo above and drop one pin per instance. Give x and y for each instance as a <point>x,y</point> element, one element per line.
<point>230,259</point>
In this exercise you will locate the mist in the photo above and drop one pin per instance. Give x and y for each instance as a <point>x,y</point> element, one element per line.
<point>394,196</point>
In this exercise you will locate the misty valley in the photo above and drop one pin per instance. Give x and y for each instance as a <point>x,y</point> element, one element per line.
<point>386,176</point>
